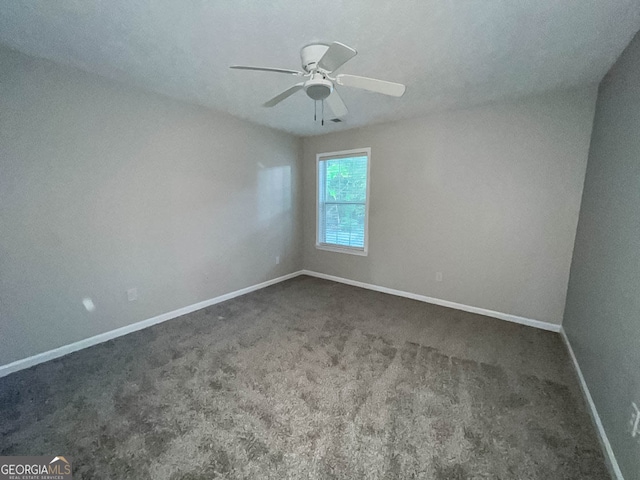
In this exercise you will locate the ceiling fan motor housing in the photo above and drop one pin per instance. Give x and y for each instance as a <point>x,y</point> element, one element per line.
<point>311,55</point>
<point>318,87</point>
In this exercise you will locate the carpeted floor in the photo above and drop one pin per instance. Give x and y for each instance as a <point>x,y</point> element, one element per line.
<point>310,379</point>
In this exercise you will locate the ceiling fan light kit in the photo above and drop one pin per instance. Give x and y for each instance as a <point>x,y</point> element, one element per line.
<point>318,87</point>
<point>319,60</point>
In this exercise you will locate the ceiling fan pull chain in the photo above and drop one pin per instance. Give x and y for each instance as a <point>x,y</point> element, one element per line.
<point>323,112</point>
<point>315,109</point>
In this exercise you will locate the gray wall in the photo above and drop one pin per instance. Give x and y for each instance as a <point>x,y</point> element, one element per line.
<point>488,196</point>
<point>602,318</point>
<point>105,187</point>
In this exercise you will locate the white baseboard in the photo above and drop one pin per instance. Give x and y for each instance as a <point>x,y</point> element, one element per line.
<point>444,303</point>
<point>118,332</point>
<point>103,337</point>
<point>604,440</point>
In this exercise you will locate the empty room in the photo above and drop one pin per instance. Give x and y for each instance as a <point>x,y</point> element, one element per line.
<point>320,240</point>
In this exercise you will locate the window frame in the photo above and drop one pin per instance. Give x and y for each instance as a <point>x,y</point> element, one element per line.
<point>332,247</point>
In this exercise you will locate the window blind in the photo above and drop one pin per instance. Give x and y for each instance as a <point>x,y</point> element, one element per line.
<point>342,201</point>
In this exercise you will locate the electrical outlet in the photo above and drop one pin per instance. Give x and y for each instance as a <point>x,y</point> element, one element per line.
<point>635,421</point>
<point>278,260</point>
<point>438,276</point>
<point>132,294</point>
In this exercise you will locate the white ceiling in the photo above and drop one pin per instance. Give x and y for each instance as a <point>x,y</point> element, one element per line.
<point>450,54</point>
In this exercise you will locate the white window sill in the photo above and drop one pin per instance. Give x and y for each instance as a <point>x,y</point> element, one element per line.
<point>339,249</point>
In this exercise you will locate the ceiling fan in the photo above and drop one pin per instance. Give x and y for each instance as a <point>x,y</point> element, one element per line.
<point>319,61</point>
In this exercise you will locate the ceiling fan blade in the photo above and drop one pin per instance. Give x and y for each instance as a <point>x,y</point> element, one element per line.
<point>336,104</point>
<point>286,94</point>
<point>267,69</point>
<point>371,84</point>
<point>336,56</point>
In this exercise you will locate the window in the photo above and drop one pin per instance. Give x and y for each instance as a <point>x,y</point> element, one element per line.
<point>343,201</point>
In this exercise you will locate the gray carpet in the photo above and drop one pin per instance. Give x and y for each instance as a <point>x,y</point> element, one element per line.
<point>310,379</point>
